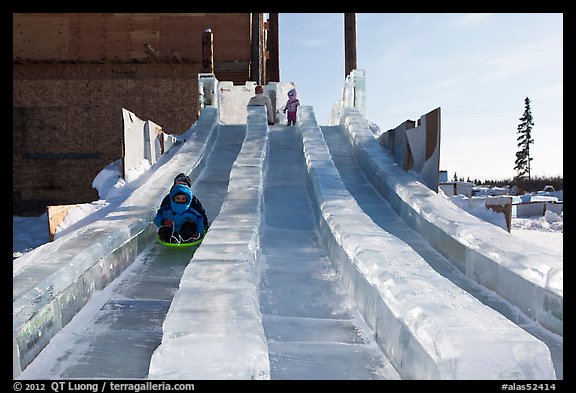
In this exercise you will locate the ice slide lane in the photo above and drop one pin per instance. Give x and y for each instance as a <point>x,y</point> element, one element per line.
<point>313,329</point>
<point>379,210</point>
<point>117,331</point>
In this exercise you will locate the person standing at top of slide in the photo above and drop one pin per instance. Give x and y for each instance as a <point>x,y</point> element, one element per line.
<point>292,107</point>
<point>261,99</point>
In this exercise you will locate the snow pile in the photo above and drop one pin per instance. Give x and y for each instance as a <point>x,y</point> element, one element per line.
<point>477,207</point>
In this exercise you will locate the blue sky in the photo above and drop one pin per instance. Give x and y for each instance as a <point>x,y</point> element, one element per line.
<point>478,68</point>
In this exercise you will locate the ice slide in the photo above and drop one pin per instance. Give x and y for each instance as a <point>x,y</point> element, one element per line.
<point>283,287</point>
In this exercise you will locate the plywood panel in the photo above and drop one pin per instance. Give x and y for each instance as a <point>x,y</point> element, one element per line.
<point>231,33</point>
<point>38,37</point>
<point>87,37</point>
<point>126,35</point>
<point>120,37</point>
<point>432,132</point>
<point>56,215</point>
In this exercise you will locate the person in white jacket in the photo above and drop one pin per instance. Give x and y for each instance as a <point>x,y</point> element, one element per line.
<point>261,99</point>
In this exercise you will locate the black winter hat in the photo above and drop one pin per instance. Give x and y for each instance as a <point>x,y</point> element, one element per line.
<point>182,177</point>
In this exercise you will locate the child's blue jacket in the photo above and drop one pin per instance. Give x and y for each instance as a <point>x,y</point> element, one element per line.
<point>179,212</point>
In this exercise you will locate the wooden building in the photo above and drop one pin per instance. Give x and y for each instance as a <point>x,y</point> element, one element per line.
<point>74,72</point>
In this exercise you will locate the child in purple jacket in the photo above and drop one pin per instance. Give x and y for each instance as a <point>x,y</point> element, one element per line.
<point>292,107</point>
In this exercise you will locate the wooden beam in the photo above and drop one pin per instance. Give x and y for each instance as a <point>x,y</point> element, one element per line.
<point>349,43</point>
<point>207,52</point>
<point>256,48</point>
<point>273,62</point>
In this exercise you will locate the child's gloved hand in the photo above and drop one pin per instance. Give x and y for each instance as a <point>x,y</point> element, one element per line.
<point>168,223</point>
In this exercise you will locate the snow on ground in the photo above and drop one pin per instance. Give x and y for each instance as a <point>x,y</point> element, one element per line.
<point>547,231</point>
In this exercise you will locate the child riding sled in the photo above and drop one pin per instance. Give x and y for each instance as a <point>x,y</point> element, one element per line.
<point>177,222</point>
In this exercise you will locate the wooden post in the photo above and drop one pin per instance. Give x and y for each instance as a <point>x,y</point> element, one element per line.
<point>207,52</point>
<point>256,48</point>
<point>349,43</point>
<point>262,49</point>
<point>273,62</point>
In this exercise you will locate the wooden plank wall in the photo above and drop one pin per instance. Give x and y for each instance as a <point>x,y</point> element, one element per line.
<point>121,37</point>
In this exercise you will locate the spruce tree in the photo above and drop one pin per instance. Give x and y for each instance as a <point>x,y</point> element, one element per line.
<point>524,139</point>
